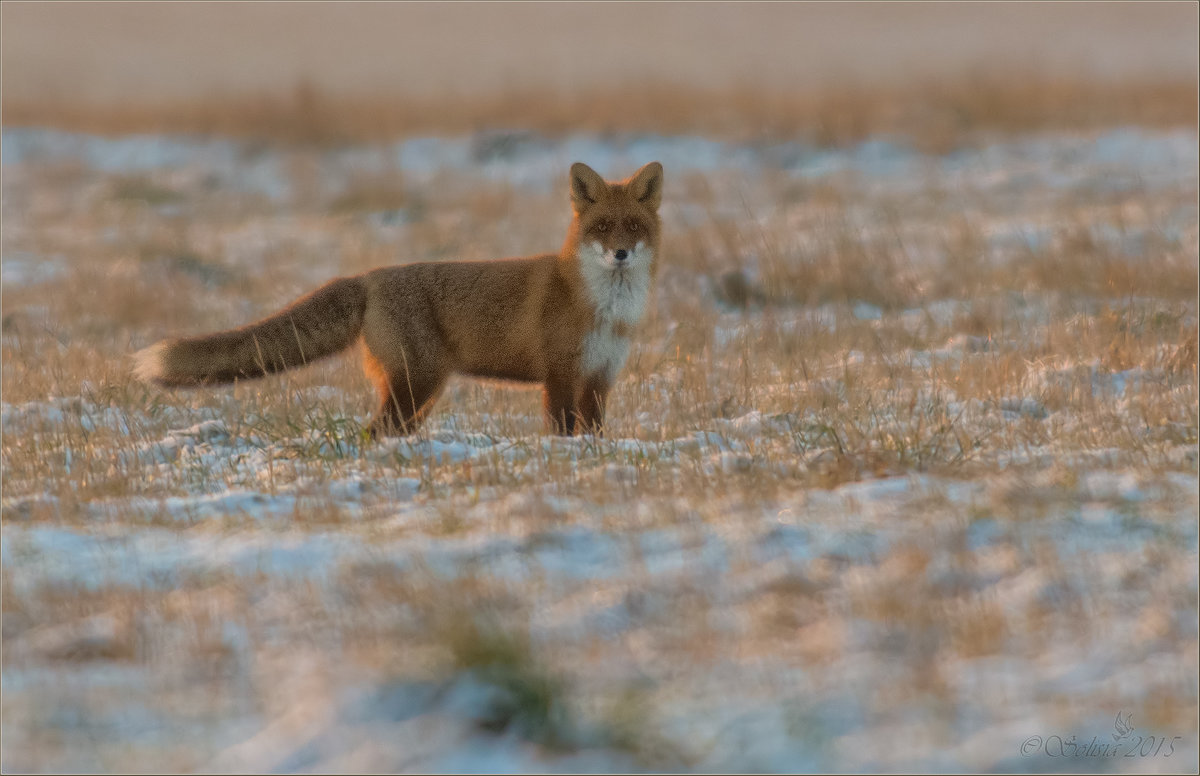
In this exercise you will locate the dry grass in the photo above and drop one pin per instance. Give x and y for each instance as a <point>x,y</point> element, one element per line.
<point>851,386</point>
<point>874,334</point>
<point>936,115</point>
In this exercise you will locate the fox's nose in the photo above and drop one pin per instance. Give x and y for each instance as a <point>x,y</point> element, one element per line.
<point>621,254</point>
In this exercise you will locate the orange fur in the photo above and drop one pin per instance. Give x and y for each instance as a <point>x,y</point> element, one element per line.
<point>562,320</point>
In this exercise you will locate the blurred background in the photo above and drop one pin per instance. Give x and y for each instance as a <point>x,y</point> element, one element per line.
<point>242,67</point>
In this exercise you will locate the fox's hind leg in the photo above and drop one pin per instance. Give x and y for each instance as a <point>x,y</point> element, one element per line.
<point>406,394</point>
<point>404,405</point>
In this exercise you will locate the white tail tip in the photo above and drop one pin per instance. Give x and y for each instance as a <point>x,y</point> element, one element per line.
<point>149,364</point>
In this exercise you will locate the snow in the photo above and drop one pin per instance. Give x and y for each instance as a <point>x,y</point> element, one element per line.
<point>20,269</point>
<point>595,566</point>
<point>1115,158</point>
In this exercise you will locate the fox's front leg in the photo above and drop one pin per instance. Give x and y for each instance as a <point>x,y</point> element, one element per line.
<point>592,403</point>
<point>559,401</point>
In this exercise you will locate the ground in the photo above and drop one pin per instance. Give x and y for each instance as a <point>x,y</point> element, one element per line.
<point>901,473</point>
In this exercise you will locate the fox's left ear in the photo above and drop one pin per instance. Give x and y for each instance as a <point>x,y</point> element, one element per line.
<point>646,185</point>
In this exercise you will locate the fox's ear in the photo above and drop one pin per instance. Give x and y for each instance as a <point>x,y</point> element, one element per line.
<point>646,185</point>
<point>587,187</point>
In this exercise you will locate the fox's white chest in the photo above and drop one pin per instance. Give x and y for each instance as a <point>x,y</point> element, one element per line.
<point>620,301</point>
<point>604,353</point>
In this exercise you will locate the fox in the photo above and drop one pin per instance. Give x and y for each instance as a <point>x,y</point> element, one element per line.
<point>562,320</point>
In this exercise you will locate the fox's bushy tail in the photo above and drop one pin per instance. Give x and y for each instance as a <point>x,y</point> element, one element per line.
<point>324,322</point>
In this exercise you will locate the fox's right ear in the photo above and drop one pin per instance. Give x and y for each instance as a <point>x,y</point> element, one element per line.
<point>587,187</point>
<point>646,185</point>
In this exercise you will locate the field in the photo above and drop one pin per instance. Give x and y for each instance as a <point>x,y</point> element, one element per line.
<point>901,473</point>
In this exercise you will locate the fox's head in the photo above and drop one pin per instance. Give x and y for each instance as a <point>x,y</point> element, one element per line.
<point>616,225</point>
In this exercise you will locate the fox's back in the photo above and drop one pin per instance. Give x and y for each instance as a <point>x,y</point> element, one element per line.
<point>490,317</point>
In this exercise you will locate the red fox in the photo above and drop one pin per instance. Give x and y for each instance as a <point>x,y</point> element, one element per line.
<point>563,320</point>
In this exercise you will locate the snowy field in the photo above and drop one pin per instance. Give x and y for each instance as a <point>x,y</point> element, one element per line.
<point>901,474</point>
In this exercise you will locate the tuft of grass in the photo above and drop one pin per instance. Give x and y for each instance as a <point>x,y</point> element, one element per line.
<point>374,193</point>
<point>136,188</point>
<point>529,700</point>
